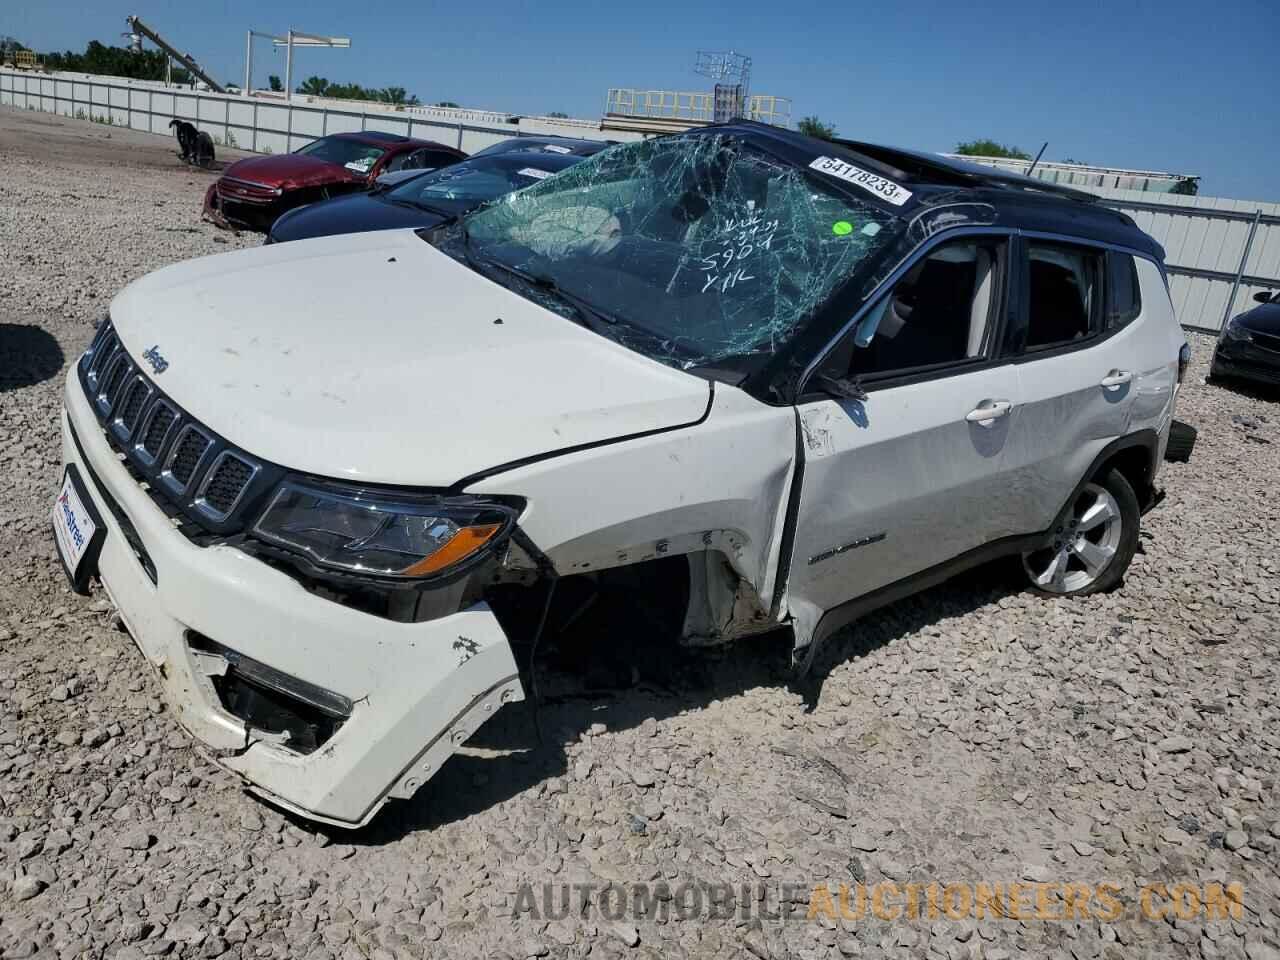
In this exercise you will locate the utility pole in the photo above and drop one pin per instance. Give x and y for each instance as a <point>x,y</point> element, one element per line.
<point>293,38</point>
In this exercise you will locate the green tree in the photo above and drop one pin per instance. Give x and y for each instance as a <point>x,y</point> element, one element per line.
<point>989,148</point>
<point>558,115</point>
<point>274,83</point>
<point>115,62</point>
<point>316,87</point>
<point>813,127</point>
<point>397,95</point>
<point>345,91</point>
<point>447,103</point>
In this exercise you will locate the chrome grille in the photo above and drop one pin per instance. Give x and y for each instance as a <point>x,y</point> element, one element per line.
<point>103,346</point>
<point>199,480</point>
<point>113,378</point>
<point>136,394</point>
<point>224,484</point>
<point>160,418</point>
<point>188,450</point>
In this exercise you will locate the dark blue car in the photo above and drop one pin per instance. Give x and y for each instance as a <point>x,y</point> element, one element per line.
<point>1249,346</point>
<point>434,197</point>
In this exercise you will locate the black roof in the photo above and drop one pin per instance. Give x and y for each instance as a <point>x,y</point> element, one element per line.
<point>935,168</point>
<point>1019,201</point>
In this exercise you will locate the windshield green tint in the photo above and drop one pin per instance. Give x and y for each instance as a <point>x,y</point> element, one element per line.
<point>708,247</point>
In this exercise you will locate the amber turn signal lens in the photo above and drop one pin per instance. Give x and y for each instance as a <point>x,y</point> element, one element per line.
<point>460,546</point>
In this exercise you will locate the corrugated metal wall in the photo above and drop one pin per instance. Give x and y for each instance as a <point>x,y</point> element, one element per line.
<point>1205,250</point>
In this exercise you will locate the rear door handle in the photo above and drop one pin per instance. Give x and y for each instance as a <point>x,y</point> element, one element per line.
<point>1116,378</point>
<point>989,411</point>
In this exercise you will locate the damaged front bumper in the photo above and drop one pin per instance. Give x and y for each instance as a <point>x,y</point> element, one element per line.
<point>322,709</point>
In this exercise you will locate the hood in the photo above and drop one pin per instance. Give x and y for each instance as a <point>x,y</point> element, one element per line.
<point>375,357</point>
<point>354,213</point>
<point>1264,318</point>
<point>290,170</point>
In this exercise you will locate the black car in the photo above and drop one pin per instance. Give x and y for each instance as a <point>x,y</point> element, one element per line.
<point>563,145</point>
<point>427,200</point>
<point>1250,345</point>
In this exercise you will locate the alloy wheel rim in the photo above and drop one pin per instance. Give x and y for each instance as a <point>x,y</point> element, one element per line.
<point>1083,545</point>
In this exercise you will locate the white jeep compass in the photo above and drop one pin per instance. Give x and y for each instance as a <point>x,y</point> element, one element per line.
<point>338,488</point>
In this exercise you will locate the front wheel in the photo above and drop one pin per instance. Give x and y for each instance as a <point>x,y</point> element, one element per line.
<point>1092,543</point>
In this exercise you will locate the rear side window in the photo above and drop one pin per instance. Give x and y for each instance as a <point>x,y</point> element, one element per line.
<point>1064,291</point>
<point>1124,297</point>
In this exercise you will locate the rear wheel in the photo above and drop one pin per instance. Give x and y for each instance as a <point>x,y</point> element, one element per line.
<point>1093,541</point>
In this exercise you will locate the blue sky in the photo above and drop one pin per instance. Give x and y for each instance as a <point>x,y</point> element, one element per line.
<point>1177,86</point>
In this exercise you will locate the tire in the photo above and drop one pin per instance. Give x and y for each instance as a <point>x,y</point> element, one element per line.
<point>1182,440</point>
<point>1068,567</point>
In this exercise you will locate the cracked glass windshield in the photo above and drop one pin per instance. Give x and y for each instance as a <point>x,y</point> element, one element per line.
<point>691,249</point>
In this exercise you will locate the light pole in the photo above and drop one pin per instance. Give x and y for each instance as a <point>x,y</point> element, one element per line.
<point>293,38</point>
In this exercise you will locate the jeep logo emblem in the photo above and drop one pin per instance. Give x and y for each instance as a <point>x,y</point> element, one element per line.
<point>158,363</point>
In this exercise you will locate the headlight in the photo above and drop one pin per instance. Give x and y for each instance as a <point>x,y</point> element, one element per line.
<point>1237,332</point>
<point>382,534</point>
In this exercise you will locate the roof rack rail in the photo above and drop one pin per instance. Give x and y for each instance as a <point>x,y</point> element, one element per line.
<point>934,166</point>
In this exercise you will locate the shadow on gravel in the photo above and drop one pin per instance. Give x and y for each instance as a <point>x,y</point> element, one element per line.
<point>1250,389</point>
<point>28,355</point>
<point>505,757</point>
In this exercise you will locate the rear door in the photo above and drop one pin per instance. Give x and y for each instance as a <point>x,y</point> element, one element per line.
<point>905,479</point>
<point>1079,363</point>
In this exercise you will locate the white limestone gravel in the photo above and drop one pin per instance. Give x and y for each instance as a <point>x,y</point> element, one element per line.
<point>976,734</point>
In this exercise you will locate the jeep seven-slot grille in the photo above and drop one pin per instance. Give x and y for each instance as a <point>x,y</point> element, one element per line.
<point>204,484</point>
<point>159,421</point>
<point>115,377</point>
<point>133,403</point>
<point>227,480</point>
<point>192,445</point>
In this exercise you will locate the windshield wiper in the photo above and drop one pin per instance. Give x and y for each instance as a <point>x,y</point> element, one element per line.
<point>591,316</point>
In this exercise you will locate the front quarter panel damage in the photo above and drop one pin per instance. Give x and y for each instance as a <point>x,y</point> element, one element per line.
<point>719,487</point>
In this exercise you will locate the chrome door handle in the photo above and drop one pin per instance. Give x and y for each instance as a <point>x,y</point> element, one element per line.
<point>989,411</point>
<point>1116,378</point>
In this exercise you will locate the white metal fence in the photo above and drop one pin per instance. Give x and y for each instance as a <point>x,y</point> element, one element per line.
<point>1218,252</point>
<point>267,125</point>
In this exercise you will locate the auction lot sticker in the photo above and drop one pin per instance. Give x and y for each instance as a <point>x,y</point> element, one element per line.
<point>882,187</point>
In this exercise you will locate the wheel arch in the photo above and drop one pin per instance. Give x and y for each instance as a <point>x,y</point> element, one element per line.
<point>1136,456</point>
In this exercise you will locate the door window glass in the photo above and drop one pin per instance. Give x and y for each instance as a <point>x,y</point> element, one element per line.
<point>939,312</point>
<point>1064,284</point>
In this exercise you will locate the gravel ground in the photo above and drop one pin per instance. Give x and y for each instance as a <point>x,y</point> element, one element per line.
<point>976,734</point>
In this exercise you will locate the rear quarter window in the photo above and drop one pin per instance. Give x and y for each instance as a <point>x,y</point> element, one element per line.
<point>1124,295</point>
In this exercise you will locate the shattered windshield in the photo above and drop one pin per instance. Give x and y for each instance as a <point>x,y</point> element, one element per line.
<point>694,249</point>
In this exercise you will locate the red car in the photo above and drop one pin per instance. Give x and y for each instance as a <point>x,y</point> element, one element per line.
<point>253,192</point>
